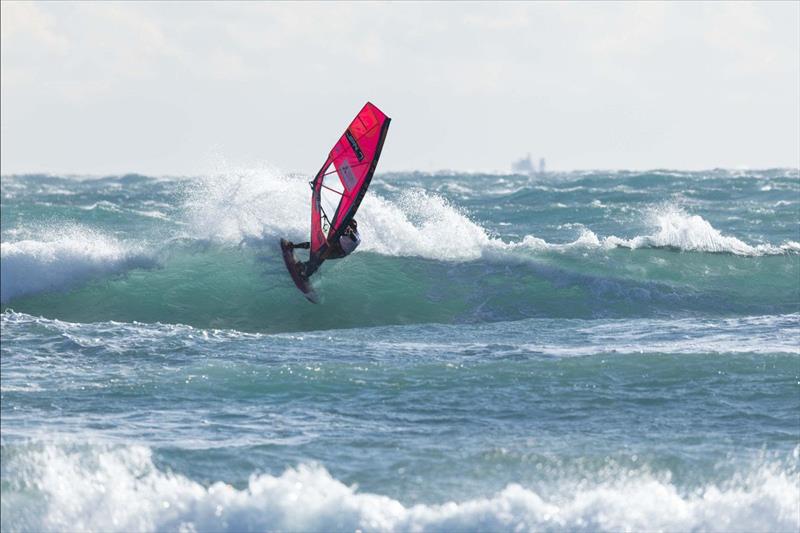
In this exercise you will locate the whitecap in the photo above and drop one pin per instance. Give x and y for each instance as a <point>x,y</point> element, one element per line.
<point>103,488</point>
<point>63,257</point>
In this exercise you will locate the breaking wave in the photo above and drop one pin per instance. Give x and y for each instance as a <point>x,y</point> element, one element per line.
<point>675,230</point>
<point>62,258</point>
<point>692,233</point>
<point>240,207</point>
<point>246,204</point>
<point>122,489</point>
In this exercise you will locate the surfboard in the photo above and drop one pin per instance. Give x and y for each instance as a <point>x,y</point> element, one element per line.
<point>300,282</point>
<point>339,187</point>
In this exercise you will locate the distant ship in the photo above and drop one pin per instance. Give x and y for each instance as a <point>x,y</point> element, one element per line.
<point>525,166</point>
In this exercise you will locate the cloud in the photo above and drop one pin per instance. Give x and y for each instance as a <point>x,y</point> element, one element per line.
<point>29,23</point>
<point>585,84</point>
<point>743,34</point>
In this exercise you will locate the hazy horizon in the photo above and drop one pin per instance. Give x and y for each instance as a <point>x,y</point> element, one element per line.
<point>218,169</point>
<point>181,89</point>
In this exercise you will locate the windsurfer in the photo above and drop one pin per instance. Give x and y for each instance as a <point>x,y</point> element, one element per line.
<point>346,244</point>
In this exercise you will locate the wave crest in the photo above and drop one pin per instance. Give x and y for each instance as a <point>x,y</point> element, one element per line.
<point>246,204</point>
<point>63,258</point>
<point>676,230</point>
<point>121,489</point>
<point>690,233</point>
<point>259,203</point>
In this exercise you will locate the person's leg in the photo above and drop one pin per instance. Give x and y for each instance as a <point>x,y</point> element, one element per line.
<point>307,268</point>
<point>304,245</point>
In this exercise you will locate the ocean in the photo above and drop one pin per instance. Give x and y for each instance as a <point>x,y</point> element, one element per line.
<point>578,351</point>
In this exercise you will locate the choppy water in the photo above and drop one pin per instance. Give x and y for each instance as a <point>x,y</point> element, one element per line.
<point>583,351</point>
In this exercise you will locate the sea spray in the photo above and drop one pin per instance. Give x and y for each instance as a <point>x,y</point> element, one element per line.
<point>689,233</point>
<point>63,258</point>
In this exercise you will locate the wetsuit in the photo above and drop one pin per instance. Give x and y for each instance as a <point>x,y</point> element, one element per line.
<point>346,244</point>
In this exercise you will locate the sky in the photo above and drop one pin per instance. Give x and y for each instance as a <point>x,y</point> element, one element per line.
<point>174,88</point>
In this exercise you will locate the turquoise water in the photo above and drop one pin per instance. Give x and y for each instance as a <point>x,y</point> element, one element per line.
<point>579,351</point>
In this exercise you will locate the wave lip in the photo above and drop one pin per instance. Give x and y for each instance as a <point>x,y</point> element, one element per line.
<point>421,224</point>
<point>692,233</point>
<point>677,230</point>
<point>240,204</point>
<point>121,489</point>
<point>63,259</point>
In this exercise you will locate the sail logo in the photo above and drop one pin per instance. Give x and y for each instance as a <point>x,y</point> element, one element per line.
<point>346,173</point>
<point>354,145</point>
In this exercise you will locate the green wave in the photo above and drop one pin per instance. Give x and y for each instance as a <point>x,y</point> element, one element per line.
<point>247,288</point>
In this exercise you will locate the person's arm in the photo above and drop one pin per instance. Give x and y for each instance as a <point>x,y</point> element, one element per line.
<point>304,245</point>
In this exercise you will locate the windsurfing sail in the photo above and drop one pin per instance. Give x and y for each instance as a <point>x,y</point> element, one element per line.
<point>339,186</point>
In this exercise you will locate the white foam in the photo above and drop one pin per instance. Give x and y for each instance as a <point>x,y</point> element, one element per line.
<point>241,204</point>
<point>234,204</point>
<point>238,204</point>
<point>586,240</point>
<point>679,230</point>
<point>676,230</point>
<point>791,246</point>
<point>420,224</point>
<point>120,489</point>
<point>63,257</point>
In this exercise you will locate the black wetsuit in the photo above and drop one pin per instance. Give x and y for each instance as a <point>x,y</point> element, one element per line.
<point>334,251</point>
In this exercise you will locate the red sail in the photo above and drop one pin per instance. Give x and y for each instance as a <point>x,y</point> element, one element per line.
<point>339,186</point>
